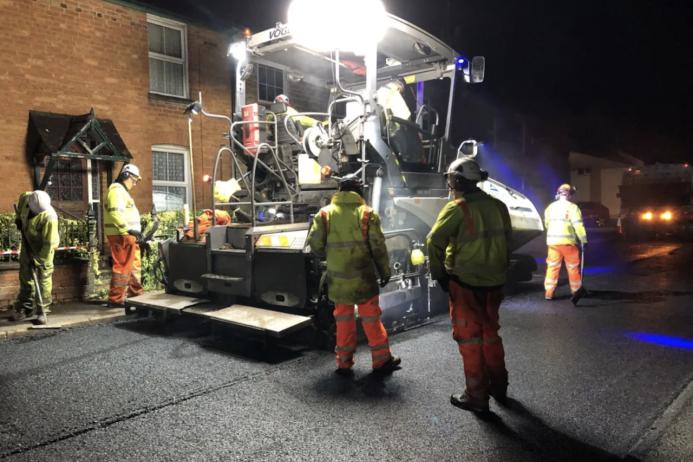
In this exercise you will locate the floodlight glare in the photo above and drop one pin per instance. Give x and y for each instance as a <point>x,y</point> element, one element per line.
<point>360,24</point>
<point>238,51</point>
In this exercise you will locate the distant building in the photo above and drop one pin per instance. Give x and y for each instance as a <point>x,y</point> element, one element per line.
<point>597,178</point>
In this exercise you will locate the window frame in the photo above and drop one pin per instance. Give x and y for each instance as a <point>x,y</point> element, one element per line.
<point>182,27</point>
<point>283,69</point>
<point>174,149</point>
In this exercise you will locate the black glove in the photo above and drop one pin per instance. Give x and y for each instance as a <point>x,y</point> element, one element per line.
<point>444,284</point>
<point>383,281</point>
<point>137,234</point>
<point>18,223</point>
<point>145,248</point>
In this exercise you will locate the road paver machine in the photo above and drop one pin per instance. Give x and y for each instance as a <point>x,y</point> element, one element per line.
<point>255,273</point>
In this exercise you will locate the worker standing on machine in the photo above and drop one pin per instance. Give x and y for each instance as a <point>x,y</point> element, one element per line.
<point>124,232</point>
<point>564,228</point>
<point>468,248</point>
<point>303,120</point>
<point>38,223</point>
<point>349,233</point>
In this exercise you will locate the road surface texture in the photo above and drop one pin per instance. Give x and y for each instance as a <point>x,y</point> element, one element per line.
<point>608,380</point>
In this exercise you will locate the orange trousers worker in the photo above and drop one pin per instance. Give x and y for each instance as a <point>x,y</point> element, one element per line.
<point>127,269</point>
<point>556,255</point>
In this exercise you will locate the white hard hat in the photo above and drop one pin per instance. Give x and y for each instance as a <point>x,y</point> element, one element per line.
<point>466,168</point>
<point>39,201</point>
<point>132,170</point>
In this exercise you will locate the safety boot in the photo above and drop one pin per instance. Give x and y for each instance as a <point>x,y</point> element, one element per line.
<point>390,366</point>
<point>345,372</point>
<point>466,402</point>
<point>500,394</point>
<point>41,319</point>
<point>22,315</point>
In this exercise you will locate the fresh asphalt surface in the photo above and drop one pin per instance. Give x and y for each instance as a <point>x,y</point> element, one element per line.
<point>588,383</point>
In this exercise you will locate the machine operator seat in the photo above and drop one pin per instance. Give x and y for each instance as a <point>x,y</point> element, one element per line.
<point>404,138</point>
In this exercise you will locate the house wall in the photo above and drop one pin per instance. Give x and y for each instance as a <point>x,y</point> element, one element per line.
<point>68,57</point>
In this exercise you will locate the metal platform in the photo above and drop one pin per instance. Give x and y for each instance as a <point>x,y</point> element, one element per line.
<point>274,323</point>
<point>270,322</point>
<point>160,300</point>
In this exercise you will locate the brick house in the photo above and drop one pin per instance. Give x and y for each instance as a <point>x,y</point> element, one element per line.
<point>136,67</point>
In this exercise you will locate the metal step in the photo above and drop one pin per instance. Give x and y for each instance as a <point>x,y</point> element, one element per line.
<point>219,277</point>
<point>274,323</point>
<point>160,300</point>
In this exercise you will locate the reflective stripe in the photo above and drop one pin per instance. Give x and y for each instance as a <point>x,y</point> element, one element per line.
<point>325,221</point>
<point>553,264</point>
<point>380,346</point>
<point>345,349</point>
<point>468,220</point>
<point>116,209</point>
<point>370,318</point>
<point>492,340</point>
<point>364,223</point>
<point>561,236</point>
<point>384,355</point>
<point>572,266</point>
<point>345,274</point>
<point>345,244</point>
<point>346,317</point>
<point>470,341</point>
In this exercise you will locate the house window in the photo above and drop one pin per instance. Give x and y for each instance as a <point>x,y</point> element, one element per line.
<point>168,66</point>
<point>169,177</point>
<point>67,181</point>
<point>270,82</point>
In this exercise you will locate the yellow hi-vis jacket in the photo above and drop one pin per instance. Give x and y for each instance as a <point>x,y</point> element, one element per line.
<point>469,241</point>
<point>390,98</point>
<point>121,214</point>
<point>563,222</point>
<point>349,232</point>
<point>41,231</point>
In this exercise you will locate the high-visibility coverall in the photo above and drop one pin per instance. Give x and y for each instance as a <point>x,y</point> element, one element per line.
<point>38,250</point>
<point>122,215</point>
<point>349,233</point>
<point>564,228</point>
<point>468,246</point>
<point>204,222</point>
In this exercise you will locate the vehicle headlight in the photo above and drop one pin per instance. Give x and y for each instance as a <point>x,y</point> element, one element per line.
<point>647,216</point>
<point>666,216</point>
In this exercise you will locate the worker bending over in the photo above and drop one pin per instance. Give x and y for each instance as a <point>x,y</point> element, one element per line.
<point>38,223</point>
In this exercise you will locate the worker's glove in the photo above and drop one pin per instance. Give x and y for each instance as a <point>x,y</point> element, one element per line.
<point>444,284</point>
<point>383,281</point>
<point>136,234</point>
<point>18,223</point>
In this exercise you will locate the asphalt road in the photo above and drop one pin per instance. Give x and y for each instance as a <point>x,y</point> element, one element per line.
<point>609,380</point>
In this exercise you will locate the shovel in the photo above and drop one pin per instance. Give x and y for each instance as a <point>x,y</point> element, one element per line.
<point>581,292</point>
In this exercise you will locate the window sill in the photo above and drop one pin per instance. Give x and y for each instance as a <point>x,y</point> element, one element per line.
<point>157,97</point>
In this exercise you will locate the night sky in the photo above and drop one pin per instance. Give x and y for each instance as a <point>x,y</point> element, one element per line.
<point>608,74</point>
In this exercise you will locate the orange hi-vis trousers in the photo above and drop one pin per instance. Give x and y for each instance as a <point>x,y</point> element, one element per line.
<point>474,317</point>
<point>369,313</point>
<point>558,253</point>
<point>127,268</point>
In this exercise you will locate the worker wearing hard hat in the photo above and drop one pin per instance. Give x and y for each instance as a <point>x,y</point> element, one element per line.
<point>349,232</point>
<point>38,224</point>
<point>469,252</point>
<point>564,229</point>
<point>303,120</point>
<point>124,232</point>
<point>390,98</point>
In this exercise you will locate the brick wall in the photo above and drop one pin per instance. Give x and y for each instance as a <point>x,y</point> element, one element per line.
<point>68,283</point>
<point>68,56</point>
